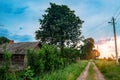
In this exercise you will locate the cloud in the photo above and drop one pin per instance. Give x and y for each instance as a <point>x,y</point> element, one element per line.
<point>25,14</point>
<point>107,47</point>
<point>4,32</point>
<point>20,10</point>
<point>15,37</point>
<point>8,9</point>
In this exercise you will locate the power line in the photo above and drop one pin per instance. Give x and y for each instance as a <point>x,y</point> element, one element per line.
<point>117,12</point>
<point>99,30</point>
<point>99,25</point>
<point>118,19</point>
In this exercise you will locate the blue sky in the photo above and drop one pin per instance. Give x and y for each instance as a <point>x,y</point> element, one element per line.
<point>19,18</point>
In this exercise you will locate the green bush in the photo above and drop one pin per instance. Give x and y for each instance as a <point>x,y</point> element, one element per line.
<point>70,55</point>
<point>35,61</point>
<point>28,74</point>
<point>44,60</point>
<point>49,58</point>
<point>5,72</point>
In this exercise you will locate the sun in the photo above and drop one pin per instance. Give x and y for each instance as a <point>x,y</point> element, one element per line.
<point>104,50</point>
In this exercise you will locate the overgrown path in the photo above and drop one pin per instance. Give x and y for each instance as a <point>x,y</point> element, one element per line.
<point>86,74</point>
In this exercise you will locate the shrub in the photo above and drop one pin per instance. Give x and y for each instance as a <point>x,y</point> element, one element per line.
<point>43,60</point>
<point>34,61</point>
<point>49,58</point>
<point>119,60</point>
<point>70,55</point>
<point>5,72</point>
<point>28,74</point>
<point>110,59</point>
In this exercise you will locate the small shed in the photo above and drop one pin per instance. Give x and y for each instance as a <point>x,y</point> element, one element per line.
<point>19,51</point>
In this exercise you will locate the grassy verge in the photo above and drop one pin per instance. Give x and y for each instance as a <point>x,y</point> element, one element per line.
<point>91,73</point>
<point>110,70</point>
<point>70,72</point>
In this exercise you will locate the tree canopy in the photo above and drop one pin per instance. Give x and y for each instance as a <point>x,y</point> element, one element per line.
<point>87,49</point>
<point>3,40</point>
<point>59,24</point>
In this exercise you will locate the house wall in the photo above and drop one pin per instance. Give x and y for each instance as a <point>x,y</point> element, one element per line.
<point>17,59</point>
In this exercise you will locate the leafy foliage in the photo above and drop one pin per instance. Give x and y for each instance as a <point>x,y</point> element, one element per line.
<point>87,49</point>
<point>3,40</point>
<point>45,59</point>
<point>5,72</point>
<point>49,58</point>
<point>28,74</point>
<point>70,55</point>
<point>58,25</point>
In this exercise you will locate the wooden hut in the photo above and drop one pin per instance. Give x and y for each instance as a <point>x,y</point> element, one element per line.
<point>18,51</point>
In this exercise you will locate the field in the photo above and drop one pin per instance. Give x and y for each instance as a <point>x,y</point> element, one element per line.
<point>110,70</point>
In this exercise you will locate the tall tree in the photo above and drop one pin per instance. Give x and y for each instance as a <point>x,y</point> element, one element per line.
<point>59,24</point>
<point>87,48</point>
<point>3,40</point>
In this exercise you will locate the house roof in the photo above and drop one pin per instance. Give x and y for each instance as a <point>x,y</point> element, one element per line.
<point>20,48</point>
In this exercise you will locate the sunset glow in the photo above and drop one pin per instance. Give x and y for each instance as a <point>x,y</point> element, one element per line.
<point>107,48</point>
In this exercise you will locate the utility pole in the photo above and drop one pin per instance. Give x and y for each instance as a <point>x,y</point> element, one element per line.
<point>115,38</point>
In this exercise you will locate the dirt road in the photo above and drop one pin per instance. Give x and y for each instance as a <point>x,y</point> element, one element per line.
<point>84,74</point>
<point>98,74</point>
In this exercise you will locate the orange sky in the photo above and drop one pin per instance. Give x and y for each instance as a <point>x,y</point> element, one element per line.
<point>107,48</point>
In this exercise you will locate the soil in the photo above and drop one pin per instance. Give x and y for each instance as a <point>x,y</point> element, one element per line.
<point>98,74</point>
<point>84,74</point>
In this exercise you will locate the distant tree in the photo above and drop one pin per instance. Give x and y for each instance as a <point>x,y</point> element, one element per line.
<point>95,53</point>
<point>3,40</point>
<point>87,48</point>
<point>59,24</point>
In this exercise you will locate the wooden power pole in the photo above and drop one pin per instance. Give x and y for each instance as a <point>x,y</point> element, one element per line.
<point>115,38</point>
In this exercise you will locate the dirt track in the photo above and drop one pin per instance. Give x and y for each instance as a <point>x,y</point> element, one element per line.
<point>98,74</point>
<point>84,74</point>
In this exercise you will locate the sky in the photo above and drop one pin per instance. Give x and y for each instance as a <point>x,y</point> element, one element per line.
<point>19,18</point>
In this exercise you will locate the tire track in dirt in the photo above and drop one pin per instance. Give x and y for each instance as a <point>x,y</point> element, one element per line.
<point>84,74</point>
<point>98,74</point>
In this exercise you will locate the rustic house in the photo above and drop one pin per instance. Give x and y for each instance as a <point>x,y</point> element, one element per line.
<point>18,51</point>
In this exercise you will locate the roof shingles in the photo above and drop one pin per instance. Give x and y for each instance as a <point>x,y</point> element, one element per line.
<point>20,48</point>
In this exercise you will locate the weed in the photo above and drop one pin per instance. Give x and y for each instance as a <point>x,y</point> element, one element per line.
<point>110,70</point>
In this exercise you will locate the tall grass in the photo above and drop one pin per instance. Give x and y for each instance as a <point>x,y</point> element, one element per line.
<point>70,72</point>
<point>110,70</point>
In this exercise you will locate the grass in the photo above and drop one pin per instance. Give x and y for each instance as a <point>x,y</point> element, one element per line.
<point>70,72</point>
<point>91,73</point>
<point>110,70</point>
